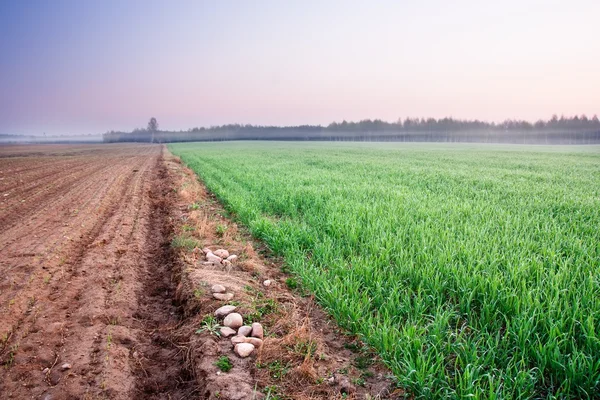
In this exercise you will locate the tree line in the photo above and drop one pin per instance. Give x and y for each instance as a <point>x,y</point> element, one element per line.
<point>556,130</point>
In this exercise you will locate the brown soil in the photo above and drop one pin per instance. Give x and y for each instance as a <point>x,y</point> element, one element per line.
<point>85,274</point>
<point>88,277</point>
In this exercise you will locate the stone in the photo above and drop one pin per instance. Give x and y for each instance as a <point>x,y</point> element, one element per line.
<point>244,349</point>
<point>256,342</point>
<point>223,296</point>
<point>227,331</point>
<point>206,250</point>
<point>267,283</point>
<point>213,258</point>
<point>218,289</point>
<point>232,258</point>
<point>221,253</point>
<point>224,311</point>
<point>257,330</point>
<point>226,263</point>
<point>244,330</point>
<point>238,339</point>
<point>66,366</point>
<point>233,320</point>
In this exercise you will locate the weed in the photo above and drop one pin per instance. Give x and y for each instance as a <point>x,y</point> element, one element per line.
<point>11,356</point>
<point>291,283</point>
<point>224,364</point>
<point>198,293</point>
<point>272,393</point>
<point>305,348</point>
<point>194,206</point>
<point>184,242</point>
<point>211,325</point>
<point>358,381</point>
<point>277,369</point>
<point>261,308</point>
<point>363,361</point>
<point>221,229</point>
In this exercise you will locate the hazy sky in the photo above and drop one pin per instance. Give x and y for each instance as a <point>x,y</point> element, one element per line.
<point>91,66</point>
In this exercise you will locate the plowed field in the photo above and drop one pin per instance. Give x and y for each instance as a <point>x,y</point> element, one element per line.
<point>85,274</point>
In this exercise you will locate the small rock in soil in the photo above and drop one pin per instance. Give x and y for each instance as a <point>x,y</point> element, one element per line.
<point>257,330</point>
<point>223,296</point>
<point>65,366</point>
<point>244,349</point>
<point>238,339</point>
<point>244,330</point>
<point>221,253</point>
<point>206,250</point>
<point>224,311</point>
<point>233,320</point>
<point>218,289</point>
<point>213,258</point>
<point>232,258</point>
<point>267,283</point>
<point>227,331</point>
<point>226,263</point>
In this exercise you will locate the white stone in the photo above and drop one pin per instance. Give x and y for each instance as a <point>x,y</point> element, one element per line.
<point>227,331</point>
<point>232,258</point>
<point>244,349</point>
<point>267,283</point>
<point>218,289</point>
<point>233,320</point>
<point>224,311</point>
<point>257,330</point>
<point>206,250</point>
<point>65,366</point>
<point>226,263</point>
<point>244,330</point>
<point>221,253</point>
<point>223,296</point>
<point>213,258</point>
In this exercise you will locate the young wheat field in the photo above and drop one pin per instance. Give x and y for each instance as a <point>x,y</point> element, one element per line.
<point>474,270</point>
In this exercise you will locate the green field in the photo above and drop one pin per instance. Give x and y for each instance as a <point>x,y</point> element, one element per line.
<point>474,270</point>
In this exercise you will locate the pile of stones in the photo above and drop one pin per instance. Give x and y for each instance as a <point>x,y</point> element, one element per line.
<point>219,257</point>
<point>244,338</point>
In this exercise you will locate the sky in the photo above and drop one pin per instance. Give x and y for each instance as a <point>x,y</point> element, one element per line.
<point>83,66</point>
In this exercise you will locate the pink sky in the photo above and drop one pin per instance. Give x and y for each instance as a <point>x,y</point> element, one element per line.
<point>84,67</point>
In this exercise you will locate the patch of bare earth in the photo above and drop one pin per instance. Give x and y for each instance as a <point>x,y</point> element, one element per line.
<point>304,354</point>
<point>86,275</point>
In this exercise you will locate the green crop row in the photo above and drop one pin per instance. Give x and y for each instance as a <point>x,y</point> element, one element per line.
<point>474,270</point>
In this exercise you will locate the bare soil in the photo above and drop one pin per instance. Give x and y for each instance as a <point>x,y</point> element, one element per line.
<point>95,303</point>
<point>85,274</point>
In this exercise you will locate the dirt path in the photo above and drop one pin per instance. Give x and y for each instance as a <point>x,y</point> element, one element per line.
<point>85,274</point>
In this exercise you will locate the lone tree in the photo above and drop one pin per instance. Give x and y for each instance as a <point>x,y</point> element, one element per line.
<point>152,127</point>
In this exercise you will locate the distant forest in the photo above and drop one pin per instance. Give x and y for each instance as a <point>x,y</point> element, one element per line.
<point>572,130</point>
